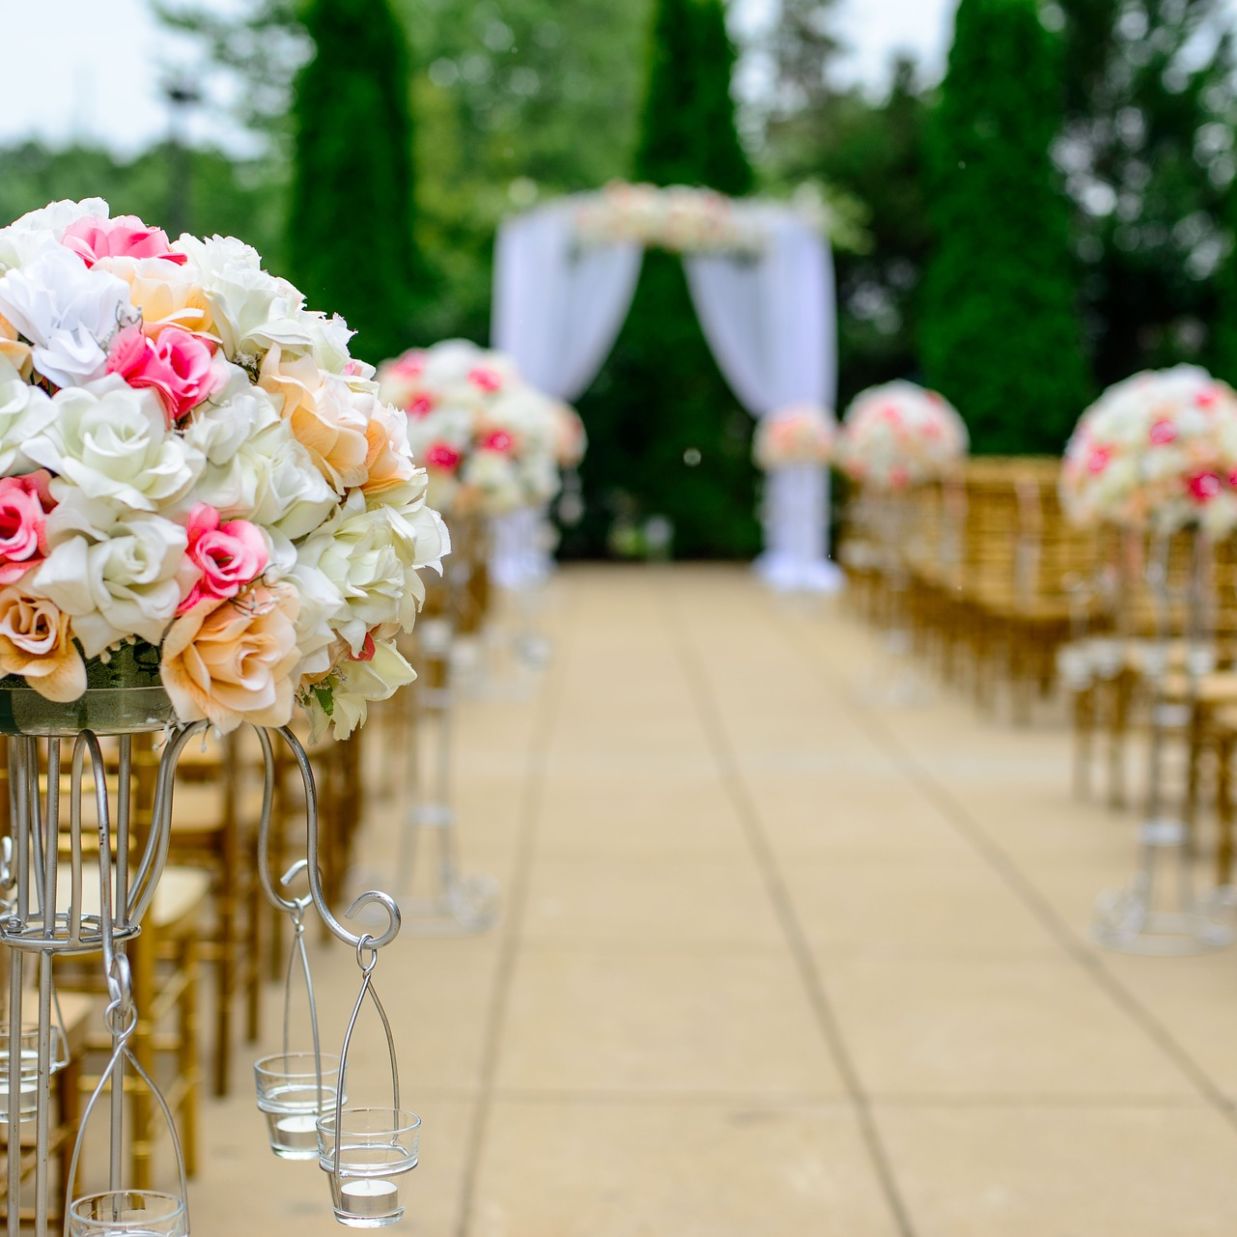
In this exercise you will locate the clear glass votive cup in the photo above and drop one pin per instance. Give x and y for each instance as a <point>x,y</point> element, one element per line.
<point>293,1096</point>
<point>27,1104</point>
<point>377,1146</point>
<point>128,1213</point>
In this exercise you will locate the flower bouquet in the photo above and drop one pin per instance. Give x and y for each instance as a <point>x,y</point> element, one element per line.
<point>197,483</point>
<point>898,435</point>
<point>487,439</point>
<point>570,436</point>
<point>1157,450</point>
<point>799,435</point>
<point>679,218</point>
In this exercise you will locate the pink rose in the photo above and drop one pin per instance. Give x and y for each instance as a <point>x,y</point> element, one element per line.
<point>1204,486</point>
<point>443,456</point>
<point>126,236</point>
<point>1163,432</point>
<point>485,379</point>
<point>410,365</point>
<point>420,405</point>
<point>497,440</point>
<point>24,504</point>
<point>177,366</point>
<point>227,556</point>
<point>1098,459</point>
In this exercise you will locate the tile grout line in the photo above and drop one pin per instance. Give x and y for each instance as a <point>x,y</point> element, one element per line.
<point>517,897</point>
<point>999,861</point>
<point>708,712</point>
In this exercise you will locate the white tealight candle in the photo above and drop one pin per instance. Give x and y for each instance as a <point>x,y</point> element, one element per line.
<point>368,1196</point>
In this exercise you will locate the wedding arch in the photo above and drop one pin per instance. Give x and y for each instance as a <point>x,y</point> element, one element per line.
<point>760,275</point>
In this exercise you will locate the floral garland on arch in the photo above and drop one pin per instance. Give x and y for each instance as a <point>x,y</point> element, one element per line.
<point>801,434</point>
<point>1157,450</point>
<point>195,473</point>
<point>488,440</point>
<point>693,220</point>
<point>898,435</point>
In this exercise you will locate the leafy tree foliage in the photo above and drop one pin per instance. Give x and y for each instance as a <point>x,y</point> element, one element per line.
<point>350,217</point>
<point>999,332</point>
<point>666,436</point>
<point>1147,147</point>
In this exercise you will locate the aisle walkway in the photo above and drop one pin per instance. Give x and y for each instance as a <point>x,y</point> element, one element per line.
<point>777,960</point>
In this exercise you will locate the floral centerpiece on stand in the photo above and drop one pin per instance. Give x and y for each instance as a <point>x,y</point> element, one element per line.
<point>489,441</point>
<point>197,482</point>
<point>799,435</point>
<point>899,435</point>
<point>1156,451</point>
<point>570,436</point>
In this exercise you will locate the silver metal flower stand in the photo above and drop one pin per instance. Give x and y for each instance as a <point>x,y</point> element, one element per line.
<point>1161,911</point>
<point>82,891</point>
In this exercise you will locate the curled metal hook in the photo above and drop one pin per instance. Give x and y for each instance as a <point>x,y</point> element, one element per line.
<point>313,871</point>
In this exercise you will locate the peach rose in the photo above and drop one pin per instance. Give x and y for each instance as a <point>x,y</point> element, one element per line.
<point>166,295</point>
<point>35,643</point>
<point>13,350</point>
<point>388,463</point>
<point>232,661</point>
<point>318,409</point>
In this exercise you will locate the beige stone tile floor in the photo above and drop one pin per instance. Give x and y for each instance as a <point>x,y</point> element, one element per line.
<point>778,957</point>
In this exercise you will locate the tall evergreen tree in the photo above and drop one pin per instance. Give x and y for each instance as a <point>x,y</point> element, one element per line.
<point>999,334</point>
<point>350,219</point>
<point>1148,151</point>
<point>667,436</point>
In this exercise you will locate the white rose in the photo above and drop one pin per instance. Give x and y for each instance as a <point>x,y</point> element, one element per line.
<point>251,308</point>
<point>355,685</point>
<point>321,604</point>
<point>236,412</point>
<point>371,556</point>
<point>114,578</point>
<point>69,312</point>
<point>272,481</point>
<point>113,442</point>
<point>39,231</point>
<point>25,410</point>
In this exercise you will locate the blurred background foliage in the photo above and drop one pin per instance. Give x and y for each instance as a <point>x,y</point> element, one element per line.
<point>516,100</point>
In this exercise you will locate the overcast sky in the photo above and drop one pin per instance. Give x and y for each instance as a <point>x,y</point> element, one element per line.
<point>91,68</point>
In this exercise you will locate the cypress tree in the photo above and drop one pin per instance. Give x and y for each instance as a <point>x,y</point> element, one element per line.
<point>666,435</point>
<point>350,219</point>
<point>1000,335</point>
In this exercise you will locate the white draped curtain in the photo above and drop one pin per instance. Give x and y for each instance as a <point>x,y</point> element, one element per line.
<point>768,318</point>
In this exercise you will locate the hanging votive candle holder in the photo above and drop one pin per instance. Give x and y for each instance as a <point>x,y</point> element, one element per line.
<point>294,1090</point>
<point>366,1152</point>
<point>128,1213</point>
<point>28,1087</point>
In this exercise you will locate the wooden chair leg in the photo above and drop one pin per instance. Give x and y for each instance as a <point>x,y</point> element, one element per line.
<point>1224,810</point>
<point>188,1053</point>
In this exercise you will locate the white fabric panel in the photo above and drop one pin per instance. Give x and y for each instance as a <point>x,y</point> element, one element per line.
<point>769,320</point>
<point>796,529</point>
<point>558,308</point>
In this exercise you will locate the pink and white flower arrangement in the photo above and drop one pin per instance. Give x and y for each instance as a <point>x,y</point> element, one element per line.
<point>680,218</point>
<point>193,467</point>
<point>898,435</point>
<point>1156,451</point>
<point>798,435</point>
<point>570,436</point>
<point>487,439</point>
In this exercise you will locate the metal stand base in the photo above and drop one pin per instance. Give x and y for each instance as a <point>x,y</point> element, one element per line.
<point>1126,923</point>
<point>466,904</point>
<point>1128,920</point>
